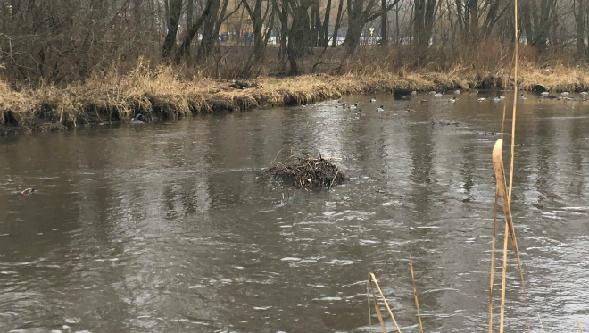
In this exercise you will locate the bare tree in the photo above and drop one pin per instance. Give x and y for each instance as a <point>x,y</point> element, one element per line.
<point>298,41</point>
<point>258,16</point>
<point>424,14</point>
<point>173,11</point>
<point>580,14</point>
<point>361,12</point>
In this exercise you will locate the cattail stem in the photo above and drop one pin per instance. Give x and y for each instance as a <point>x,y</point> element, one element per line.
<point>492,275</point>
<point>416,298</point>
<point>386,303</point>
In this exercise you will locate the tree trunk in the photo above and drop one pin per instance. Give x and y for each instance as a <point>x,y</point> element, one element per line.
<point>297,36</point>
<point>257,20</point>
<point>184,49</point>
<point>473,24</point>
<point>283,16</point>
<point>397,29</point>
<point>315,23</point>
<point>383,24</point>
<point>418,22</point>
<point>353,34</point>
<point>356,23</point>
<point>174,9</point>
<point>338,22</point>
<point>430,17</point>
<point>209,37</point>
<point>325,27</point>
<point>189,13</point>
<point>526,22</point>
<point>580,25</point>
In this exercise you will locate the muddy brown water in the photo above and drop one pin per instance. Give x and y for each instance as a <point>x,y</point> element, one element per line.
<point>172,228</point>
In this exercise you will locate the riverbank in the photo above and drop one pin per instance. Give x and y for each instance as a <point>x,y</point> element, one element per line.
<point>161,95</point>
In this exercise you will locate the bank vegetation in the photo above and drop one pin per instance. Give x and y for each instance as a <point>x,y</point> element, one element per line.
<point>70,62</point>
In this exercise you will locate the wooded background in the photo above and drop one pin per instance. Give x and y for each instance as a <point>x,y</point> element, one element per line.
<point>65,40</point>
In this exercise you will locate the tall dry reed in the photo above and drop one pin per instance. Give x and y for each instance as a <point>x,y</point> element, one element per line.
<point>415,297</point>
<point>372,279</point>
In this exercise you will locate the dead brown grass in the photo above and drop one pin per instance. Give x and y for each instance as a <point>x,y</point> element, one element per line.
<point>160,93</point>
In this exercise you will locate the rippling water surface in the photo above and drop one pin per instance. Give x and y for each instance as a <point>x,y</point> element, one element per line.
<point>173,228</point>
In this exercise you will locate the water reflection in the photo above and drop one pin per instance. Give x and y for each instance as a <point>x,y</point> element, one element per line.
<point>172,227</point>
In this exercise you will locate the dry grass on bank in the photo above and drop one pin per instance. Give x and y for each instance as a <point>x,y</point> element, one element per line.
<point>163,95</point>
<point>558,78</point>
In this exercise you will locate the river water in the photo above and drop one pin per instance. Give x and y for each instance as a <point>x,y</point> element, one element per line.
<point>173,227</point>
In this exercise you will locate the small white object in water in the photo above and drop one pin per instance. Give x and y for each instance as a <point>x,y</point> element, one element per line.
<point>262,308</point>
<point>354,106</point>
<point>545,94</point>
<point>452,100</point>
<point>564,93</point>
<point>328,298</point>
<point>290,259</point>
<point>497,99</point>
<point>522,96</point>
<point>438,95</point>
<point>380,108</point>
<point>27,191</point>
<point>457,92</point>
<point>414,93</point>
<point>373,100</point>
<point>482,99</point>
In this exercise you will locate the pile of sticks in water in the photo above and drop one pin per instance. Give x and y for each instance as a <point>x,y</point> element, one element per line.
<point>308,173</point>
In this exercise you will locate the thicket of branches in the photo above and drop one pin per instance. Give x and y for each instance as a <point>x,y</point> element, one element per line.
<point>65,40</point>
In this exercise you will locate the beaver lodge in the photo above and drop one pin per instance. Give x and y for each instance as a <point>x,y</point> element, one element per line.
<point>308,173</point>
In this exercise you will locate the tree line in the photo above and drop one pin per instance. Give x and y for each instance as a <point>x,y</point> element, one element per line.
<point>60,39</point>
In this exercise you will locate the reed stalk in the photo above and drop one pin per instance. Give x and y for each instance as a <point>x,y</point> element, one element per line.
<point>501,192</point>
<point>369,293</point>
<point>515,89</point>
<point>373,279</point>
<point>512,232</point>
<point>492,277</point>
<point>416,298</point>
<point>383,326</point>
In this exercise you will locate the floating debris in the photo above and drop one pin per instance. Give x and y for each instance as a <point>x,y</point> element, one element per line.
<point>446,123</point>
<point>308,173</point>
<point>27,191</point>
